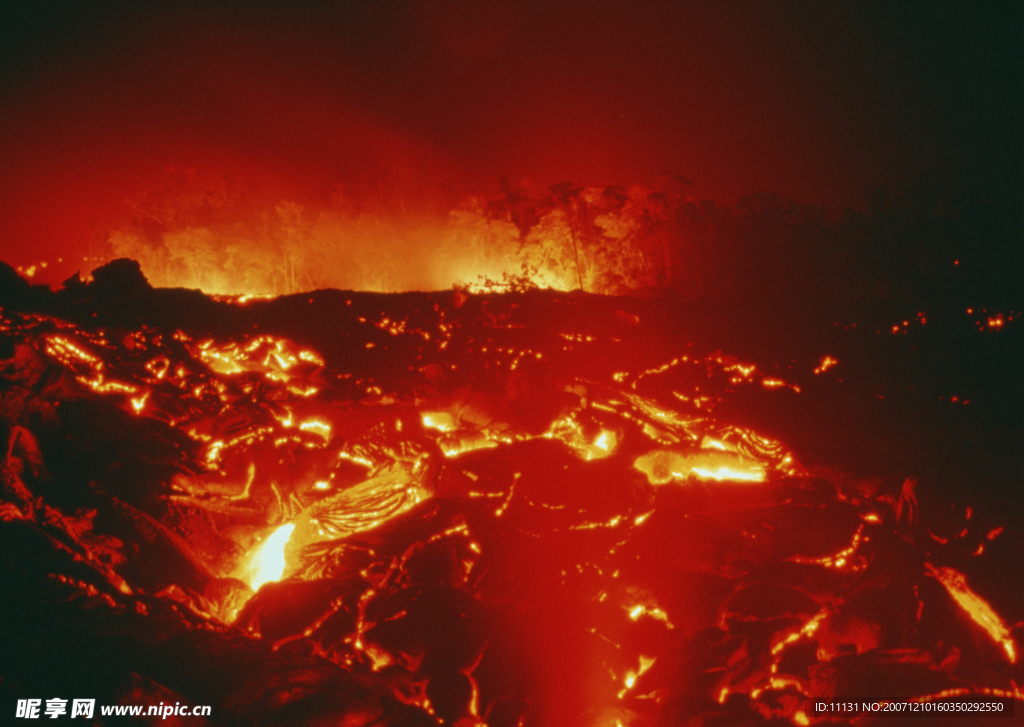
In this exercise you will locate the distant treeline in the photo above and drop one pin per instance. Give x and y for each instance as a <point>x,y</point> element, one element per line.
<point>915,245</point>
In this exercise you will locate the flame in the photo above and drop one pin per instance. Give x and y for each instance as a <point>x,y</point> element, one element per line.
<point>268,562</point>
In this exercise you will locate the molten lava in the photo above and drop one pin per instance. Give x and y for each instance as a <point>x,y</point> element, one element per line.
<point>976,607</point>
<point>269,561</point>
<point>486,510</point>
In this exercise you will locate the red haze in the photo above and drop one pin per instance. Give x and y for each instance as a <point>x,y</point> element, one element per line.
<point>408,107</point>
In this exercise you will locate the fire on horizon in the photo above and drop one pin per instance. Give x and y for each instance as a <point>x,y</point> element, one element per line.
<point>209,141</point>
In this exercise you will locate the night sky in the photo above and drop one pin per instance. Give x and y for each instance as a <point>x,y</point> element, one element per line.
<point>425,102</point>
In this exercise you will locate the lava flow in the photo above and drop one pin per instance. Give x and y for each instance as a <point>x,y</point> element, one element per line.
<point>443,508</point>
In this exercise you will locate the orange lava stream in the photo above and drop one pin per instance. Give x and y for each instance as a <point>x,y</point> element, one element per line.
<point>976,607</point>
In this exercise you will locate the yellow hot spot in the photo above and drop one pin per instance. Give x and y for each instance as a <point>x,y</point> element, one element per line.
<point>778,684</point>
<point>807,630</point>
<point>213,453</point>
<point>745,370</point>
<point>569,431</point>
<point>286,421</point>
<point>106,387</point>
<point>263,354</point>
<point>243,299</point>
<point>600,448</point>
<point>724,473</point>
<point>139,403</point>
<point>976,607</point>
<point>357,459</point>
<point>317,427</point>
<point>282,361</point>
<point>664,466</point>
<point>639,519</point>
<point>654,612</point>
<point>611,523</point>
<point>825,364</point>
<point>269,563</point>
<point>63,348</point>
<point>658,615</point>
<point>631,676</point>
<point>466,444</point>
<point>442,421</point>
<point>606,441</point>
<point>303,390</point>
<point>159,366</point>
<point>840,559</point>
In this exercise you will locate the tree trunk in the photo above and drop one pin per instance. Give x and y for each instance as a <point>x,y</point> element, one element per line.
<point>575,253</point>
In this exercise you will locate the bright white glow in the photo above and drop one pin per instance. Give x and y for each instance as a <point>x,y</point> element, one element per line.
<point>268,565</point>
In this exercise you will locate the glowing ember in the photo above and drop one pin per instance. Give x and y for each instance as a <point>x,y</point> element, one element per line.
<point>269,562</point>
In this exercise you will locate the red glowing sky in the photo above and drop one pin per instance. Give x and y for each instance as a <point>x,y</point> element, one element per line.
<point>420,103</point>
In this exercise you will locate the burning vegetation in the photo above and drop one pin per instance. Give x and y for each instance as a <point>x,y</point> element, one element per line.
<point>535,508</point>
<point>915,246</point>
